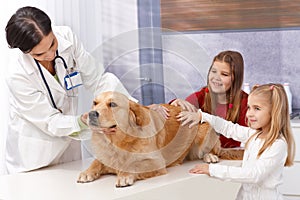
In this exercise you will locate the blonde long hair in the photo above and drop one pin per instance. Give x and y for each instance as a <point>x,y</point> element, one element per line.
<point>280,120</point>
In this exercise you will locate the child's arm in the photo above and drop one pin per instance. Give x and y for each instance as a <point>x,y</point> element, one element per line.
<point>226,128</point>
<point>269,165</point>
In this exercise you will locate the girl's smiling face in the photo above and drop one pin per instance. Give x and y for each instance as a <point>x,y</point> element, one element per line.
<point>219,77</point>
<point>259,113</point>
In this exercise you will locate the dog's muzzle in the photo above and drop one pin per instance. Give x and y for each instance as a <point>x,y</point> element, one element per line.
<point>93,118</point>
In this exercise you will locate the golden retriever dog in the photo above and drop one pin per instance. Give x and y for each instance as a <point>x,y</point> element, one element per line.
<point>141,143</point>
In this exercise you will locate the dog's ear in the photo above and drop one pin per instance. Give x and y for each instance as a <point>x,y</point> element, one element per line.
<point>141,113</point>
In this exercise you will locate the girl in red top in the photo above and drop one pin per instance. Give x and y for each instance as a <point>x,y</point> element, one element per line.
<point>223,95</point>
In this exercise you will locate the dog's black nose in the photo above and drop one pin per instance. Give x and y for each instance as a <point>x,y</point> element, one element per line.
<point>93,114</point>
<point>93,118</point>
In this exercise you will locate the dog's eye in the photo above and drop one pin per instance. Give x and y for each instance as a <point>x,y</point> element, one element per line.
<point>94,103</point>
<point>112,104</point>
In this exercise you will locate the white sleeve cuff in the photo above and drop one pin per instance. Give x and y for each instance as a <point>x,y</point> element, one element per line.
<point>205,117</point>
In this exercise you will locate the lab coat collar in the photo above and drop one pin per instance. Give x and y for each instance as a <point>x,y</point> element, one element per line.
<point>28,63</point>
<point>63,44</point>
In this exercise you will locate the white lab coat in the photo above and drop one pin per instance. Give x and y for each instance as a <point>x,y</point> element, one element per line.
<point>38,133</point>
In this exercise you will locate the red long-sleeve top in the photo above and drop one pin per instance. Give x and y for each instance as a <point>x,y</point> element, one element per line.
<point>197,99</point>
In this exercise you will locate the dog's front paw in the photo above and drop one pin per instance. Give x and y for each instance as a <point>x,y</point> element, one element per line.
<point>125,180</point>
<point>210,158</point>
<point>85,177</point>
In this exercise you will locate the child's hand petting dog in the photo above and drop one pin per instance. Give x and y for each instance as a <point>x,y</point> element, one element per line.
<point>189,117</point>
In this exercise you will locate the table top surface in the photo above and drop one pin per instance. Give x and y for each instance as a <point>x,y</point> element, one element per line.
<point>59,182</point>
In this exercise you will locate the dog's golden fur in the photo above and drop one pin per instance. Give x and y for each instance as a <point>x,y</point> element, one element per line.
<point>144,143</point>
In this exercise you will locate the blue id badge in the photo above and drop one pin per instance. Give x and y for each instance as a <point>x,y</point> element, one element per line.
<point>72,80</point>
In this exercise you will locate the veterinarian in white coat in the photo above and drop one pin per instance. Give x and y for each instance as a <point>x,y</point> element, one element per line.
<point>39,127</point>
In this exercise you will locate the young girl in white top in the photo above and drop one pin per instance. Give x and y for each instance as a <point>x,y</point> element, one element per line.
<point>269,143</point>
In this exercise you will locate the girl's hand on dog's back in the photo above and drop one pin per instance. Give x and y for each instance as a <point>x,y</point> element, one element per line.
<point>163,111</point>
<point>185,105</point>
<point>189,117</point>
